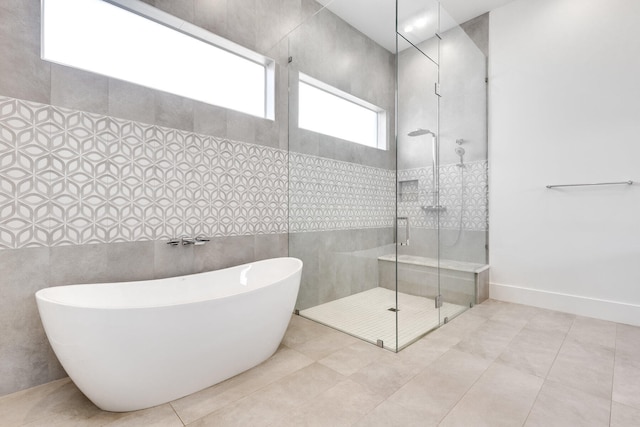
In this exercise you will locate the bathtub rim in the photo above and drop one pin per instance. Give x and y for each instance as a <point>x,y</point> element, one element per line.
<point>42,294</point>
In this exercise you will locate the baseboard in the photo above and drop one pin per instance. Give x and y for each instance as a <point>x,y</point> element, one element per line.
<point>584,306</point>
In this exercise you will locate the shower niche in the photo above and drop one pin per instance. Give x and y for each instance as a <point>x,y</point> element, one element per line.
<point>392,232</point>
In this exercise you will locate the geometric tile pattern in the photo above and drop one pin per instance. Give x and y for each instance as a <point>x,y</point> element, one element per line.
<point>24,173</point>
<point>70,177</point>
<point>472,205</point>
<point>326,194</point>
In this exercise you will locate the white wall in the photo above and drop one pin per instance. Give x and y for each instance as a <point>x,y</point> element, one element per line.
<point>565,108</point>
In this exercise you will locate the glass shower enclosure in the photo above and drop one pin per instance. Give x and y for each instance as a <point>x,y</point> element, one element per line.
<point>387,167</point>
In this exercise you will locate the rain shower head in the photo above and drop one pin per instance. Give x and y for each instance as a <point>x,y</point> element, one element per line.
<point>420,132</point>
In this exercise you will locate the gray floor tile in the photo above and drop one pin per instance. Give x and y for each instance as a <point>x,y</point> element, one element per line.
<point>436,390</point>
<point>341,405</point>
<point>48,401</point>
<point>586,329</point>
<point>626,380</point>
<point>624,416</point>
<point>503,396</point>
<point>583,366</point>
<point>281,364</point>
<point>562,406</point>
<point>533,351</point>
<point>350,359</point>
<point>548,320</point>
<point>489,340</point>
<point>390,414</point>
<point>628,339</point>
<point>275,401</point>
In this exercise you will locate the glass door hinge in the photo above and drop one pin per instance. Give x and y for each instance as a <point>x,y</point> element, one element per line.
<point>439,301</point>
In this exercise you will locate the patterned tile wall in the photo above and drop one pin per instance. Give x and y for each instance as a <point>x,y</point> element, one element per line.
<point>470,202</point>
<point>326,194</point>
<point>70,177</point>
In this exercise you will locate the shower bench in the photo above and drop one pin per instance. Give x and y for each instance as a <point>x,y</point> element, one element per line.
<point>461,282</point>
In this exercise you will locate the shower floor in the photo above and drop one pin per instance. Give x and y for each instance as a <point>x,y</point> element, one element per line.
<point>366,315</point>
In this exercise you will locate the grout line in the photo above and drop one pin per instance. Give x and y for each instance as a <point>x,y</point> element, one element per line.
<point>613,374</point>
<point>236,401</point>
<point>464,394</point>
<point>176,412</point>
<point>549,370</point>
<point>486,369</point>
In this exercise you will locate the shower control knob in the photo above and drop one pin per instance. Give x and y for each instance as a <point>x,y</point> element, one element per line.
<point>201,240</point>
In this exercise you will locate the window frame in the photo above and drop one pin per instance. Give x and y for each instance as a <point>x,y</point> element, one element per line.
<point>381,131</point>
<point>158,16</point>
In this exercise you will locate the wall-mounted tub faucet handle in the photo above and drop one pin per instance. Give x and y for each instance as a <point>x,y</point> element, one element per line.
<point>201,240</point>
<point>186,240</point>
<point>174,242</point>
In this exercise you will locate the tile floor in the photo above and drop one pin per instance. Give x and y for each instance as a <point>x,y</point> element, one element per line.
<point>498,364</point>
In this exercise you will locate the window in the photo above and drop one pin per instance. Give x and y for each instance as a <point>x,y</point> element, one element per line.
<point>330,111</point>
<point>132,41</point>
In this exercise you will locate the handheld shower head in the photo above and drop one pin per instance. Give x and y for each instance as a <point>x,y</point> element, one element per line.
<point>420,132</point>
<point>460,152</point>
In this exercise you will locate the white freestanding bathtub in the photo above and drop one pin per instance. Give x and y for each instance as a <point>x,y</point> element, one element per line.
<point>133,345</point>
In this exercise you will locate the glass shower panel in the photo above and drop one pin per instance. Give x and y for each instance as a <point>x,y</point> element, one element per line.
<point>463,162</point>
<point>418,24</point>
<point>418,281</point>
<point>342,193</point>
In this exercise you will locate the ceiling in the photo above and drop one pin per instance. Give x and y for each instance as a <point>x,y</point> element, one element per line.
<point>376,18</point>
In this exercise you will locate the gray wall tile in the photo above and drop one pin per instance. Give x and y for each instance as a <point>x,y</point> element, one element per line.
<point>212,16</point>
<point>78,264</point>
<point>130,261</point>
<point>79,90</point>
<point>478,30</point>
<point>26,356</point>
<point>131,101</point>
<point>210,256</point>
<point>209,119</point>
<point>240,126</point>
<point>267,133</point>
<point>236,249</point>
<point>242,22</point>
<point>22,73</point>
<point>183,9</point>
<point>223,252</point>
<point>271,246</point>
<point>338,263</point>
<point>305,247</point>
<point>173,111</point>
<point>170,261</point>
